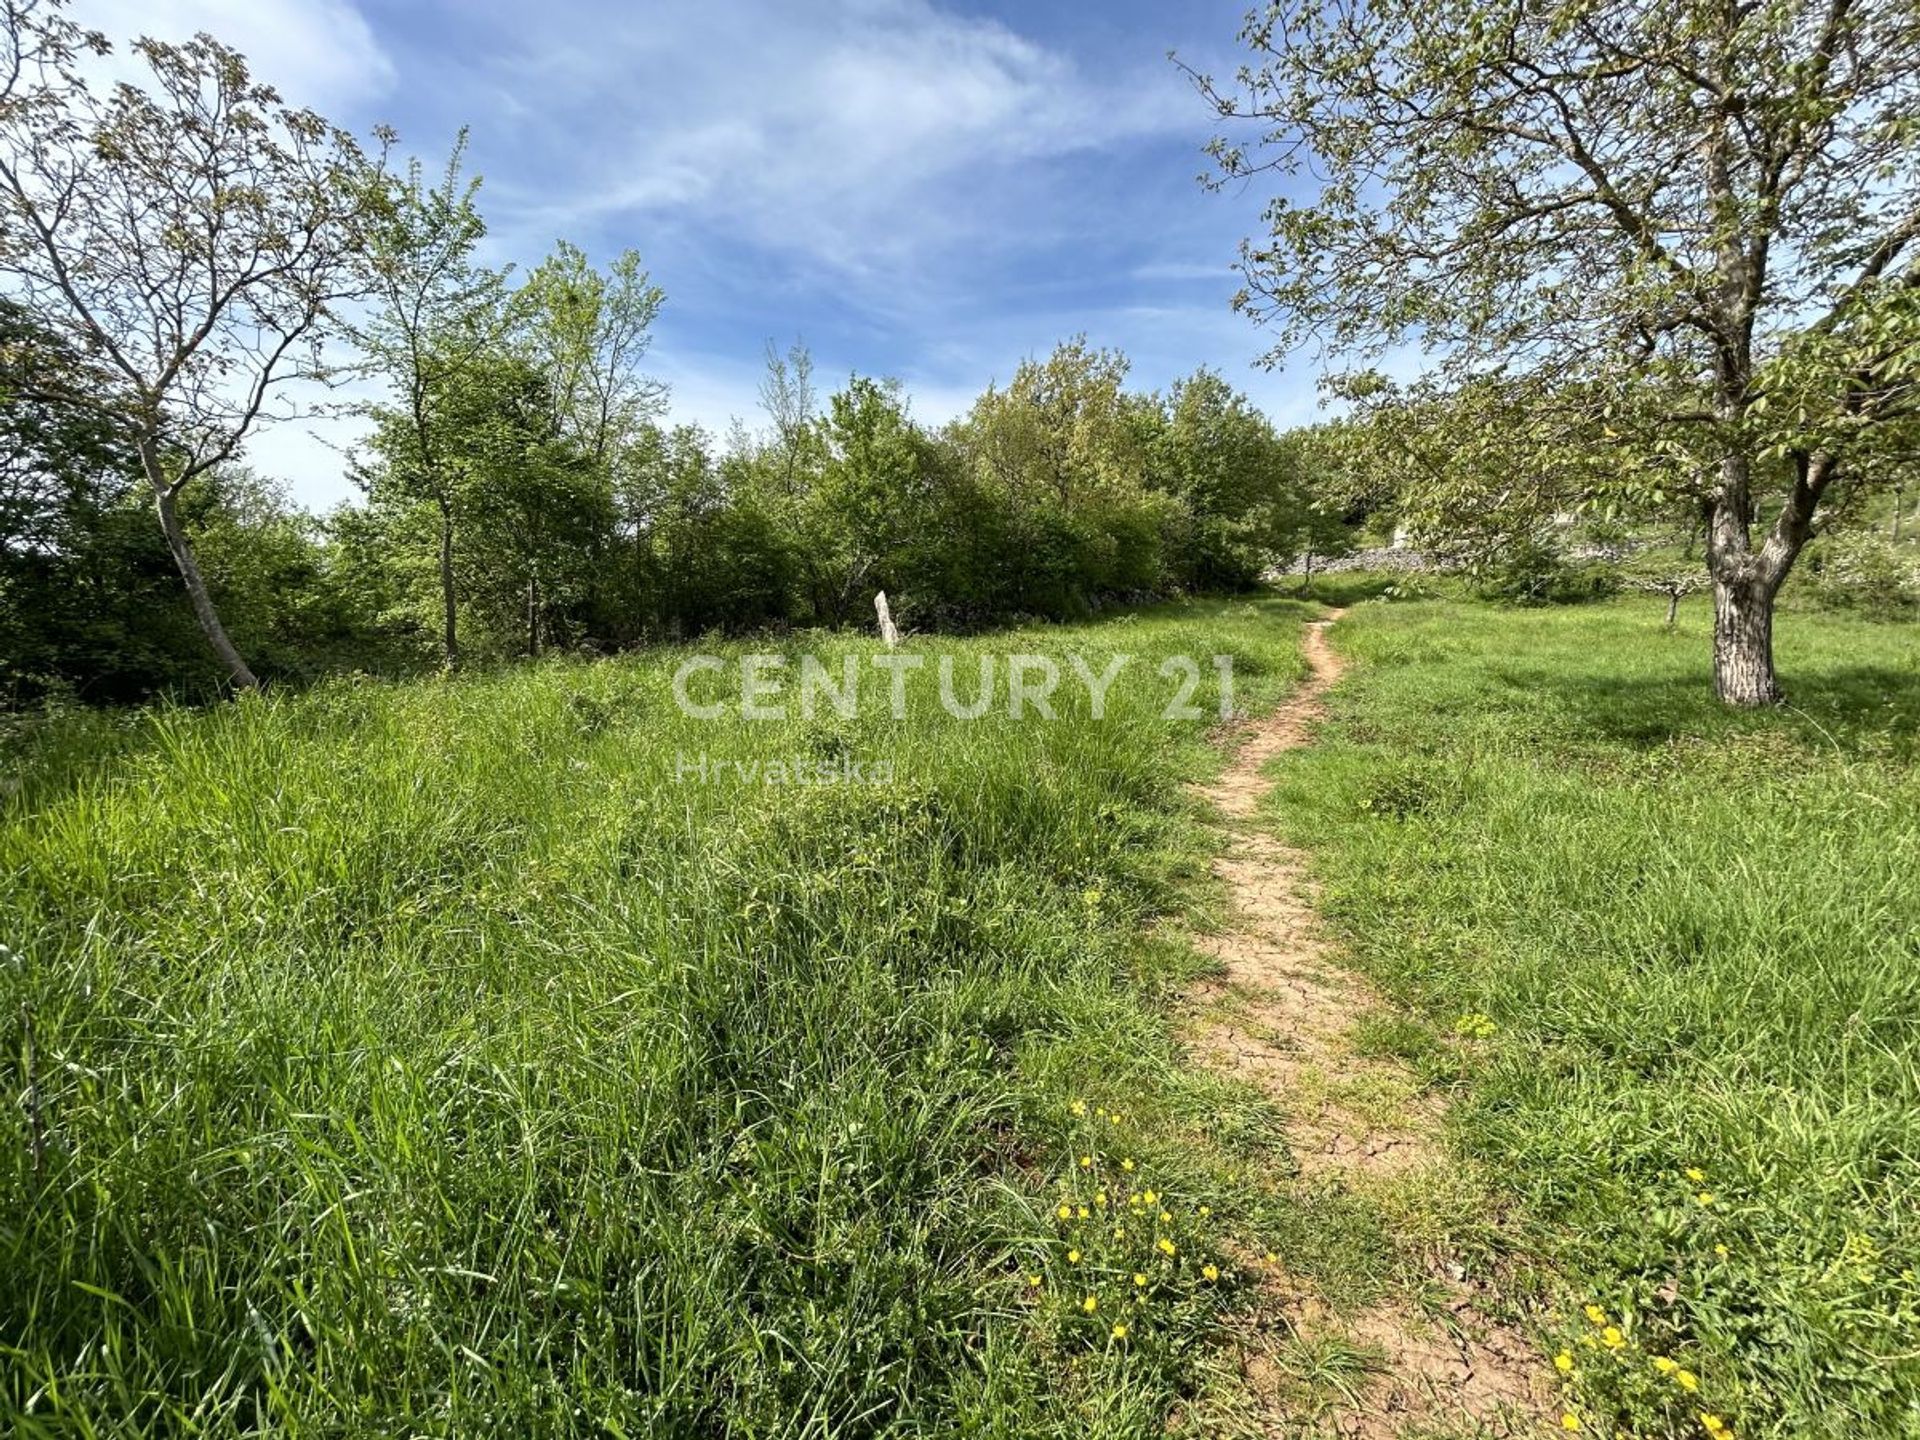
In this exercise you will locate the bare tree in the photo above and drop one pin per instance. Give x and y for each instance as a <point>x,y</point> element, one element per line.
<point>189,236</point>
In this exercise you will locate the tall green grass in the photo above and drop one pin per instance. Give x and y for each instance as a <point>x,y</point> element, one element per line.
<point>427,1059</point>
<point>1698,936</point>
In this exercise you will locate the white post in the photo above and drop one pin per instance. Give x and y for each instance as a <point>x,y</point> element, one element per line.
<point>888,631</point>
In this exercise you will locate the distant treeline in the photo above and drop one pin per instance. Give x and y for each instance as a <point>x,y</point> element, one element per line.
<point>177,251</point>
<point>1055,494</point>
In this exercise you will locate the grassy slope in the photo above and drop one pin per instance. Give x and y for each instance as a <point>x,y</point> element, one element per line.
<point>1698,936</point>
<point>423,1059</point>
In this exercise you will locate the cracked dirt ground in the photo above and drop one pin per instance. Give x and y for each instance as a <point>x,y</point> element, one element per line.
<point>1279,1017</point>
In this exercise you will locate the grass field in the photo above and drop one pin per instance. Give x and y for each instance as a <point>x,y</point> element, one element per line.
<point>1666,959</point>
<point>441,1058</point>
<point>428,1059</point>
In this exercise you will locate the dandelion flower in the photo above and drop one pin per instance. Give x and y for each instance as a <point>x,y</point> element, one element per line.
<point>1563,1362</point>
<point>1212,1272</point>
<point>1119,1232</point>
<point>1090,1304</point>
<point>1086,1162</point>
<point>1165,1246</point>
<point>1033,1282</point>
<point>1084,1213</point>
<point>1713,1423</point>
<point>1065,1212</point>
<point>1140,1277</point>
<point>1079,1107</point>
<point>1119,1332</point>
<point>1705,1197</point>
<point>1569,1421</point>
<point>1721,1251</point>
<point>1596,1315</point>
<point>1612,1338</point>
<point>1126,1165</point>
<point>1073,1257</point>
<point>1664,1365</point>
<point>1205,1211</point>
<point>1165,1218</point>
<point>1696,1174</point>
<point>1689,1381</point>
<point>1152,1197</point>
<point>1100,1197</point>
<point>1272,1259</point>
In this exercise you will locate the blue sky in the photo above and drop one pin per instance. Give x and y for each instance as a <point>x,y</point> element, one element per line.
<point>925,190</point>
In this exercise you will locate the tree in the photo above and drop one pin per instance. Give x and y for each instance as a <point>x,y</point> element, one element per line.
<point>588,332</point>
<point>1221,457</point>
<point>534,497</point>
<point>869,500</point>
<point>1704,214</point>
<point>436,314</point>
<point>189,238</point>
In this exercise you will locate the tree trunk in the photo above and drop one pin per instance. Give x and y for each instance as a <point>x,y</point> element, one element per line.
<point>1673,606</point>
<point>1899,504</point>
<point>167,504</point>
<point>449,631</point>
<point>533,617</point>
<point>1743,643</point>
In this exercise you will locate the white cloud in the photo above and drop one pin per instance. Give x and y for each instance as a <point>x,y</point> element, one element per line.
<point>859,135</point>
<point>320,53</point>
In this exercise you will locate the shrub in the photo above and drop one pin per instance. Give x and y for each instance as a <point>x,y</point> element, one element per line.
<point>1865,573</point>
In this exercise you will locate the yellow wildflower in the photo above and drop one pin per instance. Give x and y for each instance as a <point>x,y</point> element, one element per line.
<point>1569,1421</point>
<point>1033,1281</point>
<point>1140,1277</point>
<point>1079,1107</point>
<point>1596,1315</point>
<point>1272,1259</point>
<point>1212,1272</point>
<point>1073,1257</point>
<point>1165,1245</point>
<point>1612,1338</point>
<point>1696,1175</point>
<point>1090,1304</point>
<point>1086,1162</point>
<point>1563,1362</point>
<point>1165,1218</point>
<point>1065,1212</point>
<point>1714,1424</point>
<point>1705,1197</point>
<point>1205,1211</point>
<point>1721,1251</point>
<point>1152,1197</point>
<point>1664,1365</point>
<point>1119,1232</point>
<point>1119,1332</point>
<point>1126,1165</point>
<point>1689,1381</point>
<point>1083,1212</point>
<point>1100,1197</point>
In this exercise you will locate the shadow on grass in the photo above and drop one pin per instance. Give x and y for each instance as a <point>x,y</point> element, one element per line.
<point>1857,710</point>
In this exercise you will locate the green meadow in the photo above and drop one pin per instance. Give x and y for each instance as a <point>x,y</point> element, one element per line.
<point>446,1056</point>
<point>1696,935</point>
<point>442,1057</point>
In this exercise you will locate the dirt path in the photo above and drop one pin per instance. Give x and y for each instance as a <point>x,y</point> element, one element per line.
<point>1280,1017</point>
